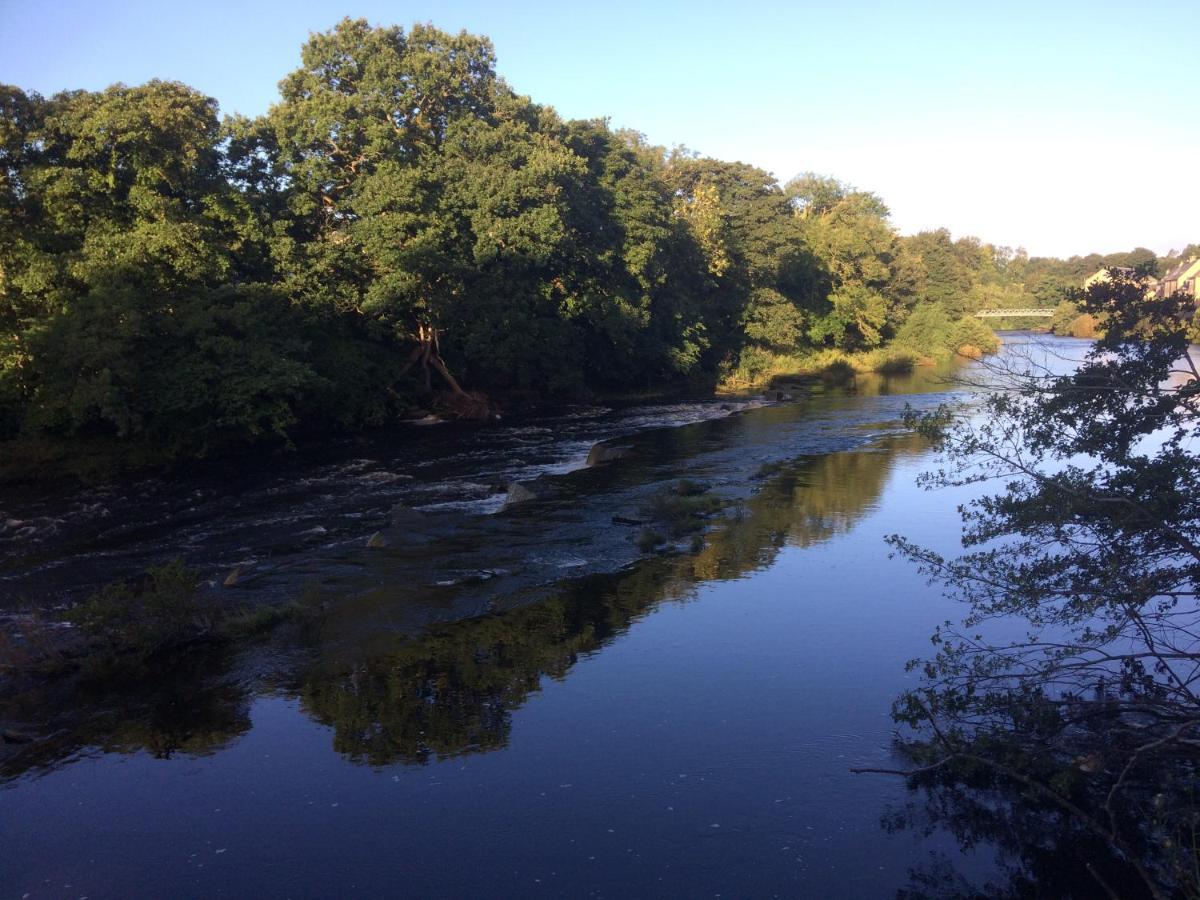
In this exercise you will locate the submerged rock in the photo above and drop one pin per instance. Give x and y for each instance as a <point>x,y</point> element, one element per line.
<point>602,453</point>
<point>405,518</point>
<point>408,526</point>
<point>629,520</point>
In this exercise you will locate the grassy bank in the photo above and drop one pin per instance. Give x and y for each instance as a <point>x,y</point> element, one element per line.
<point>833,366</point>
<point>927,336</point>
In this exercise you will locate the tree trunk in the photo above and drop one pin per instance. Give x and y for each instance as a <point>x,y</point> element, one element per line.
<point>428,354</point>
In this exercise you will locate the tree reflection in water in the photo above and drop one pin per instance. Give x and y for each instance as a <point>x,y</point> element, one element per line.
<point>184,705</point>
<point>1042,852</point>
<point>452,690</point>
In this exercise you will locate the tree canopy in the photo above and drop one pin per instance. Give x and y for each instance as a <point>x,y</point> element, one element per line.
<point>402,232</point>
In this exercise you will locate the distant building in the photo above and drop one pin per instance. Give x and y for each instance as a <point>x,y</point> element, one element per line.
<point>1180,278</point>
<point>1103,275</point>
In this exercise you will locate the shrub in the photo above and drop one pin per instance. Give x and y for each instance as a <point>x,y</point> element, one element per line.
<point>926,330</point>
<point>163,610</point>
<point>753,365</point>
<point>649,540</point>
<point>969,331</point>
<point>1085,326</point>
<point>686,487</point>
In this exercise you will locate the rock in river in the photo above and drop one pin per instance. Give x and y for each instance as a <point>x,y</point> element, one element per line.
<point>602,453</point>
<point>518,493</point>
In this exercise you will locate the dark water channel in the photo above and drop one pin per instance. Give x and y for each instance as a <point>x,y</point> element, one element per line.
<point>507,703</point>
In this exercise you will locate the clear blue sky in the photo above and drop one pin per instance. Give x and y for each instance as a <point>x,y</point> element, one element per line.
<point>1061,126</point>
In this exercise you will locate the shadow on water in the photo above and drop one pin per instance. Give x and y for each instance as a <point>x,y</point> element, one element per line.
<point>286,520</point>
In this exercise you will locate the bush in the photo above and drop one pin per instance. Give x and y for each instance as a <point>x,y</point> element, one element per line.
<point>681,514</point>
<point>1064,314</point>
<point>969,331</point>
<point>754,365</point>
<point>686,487</point>
<point>1085,326</point>
<point>926,331</point>
<point>161,611</point>
<point>892,361</point>
<point>649,540</point>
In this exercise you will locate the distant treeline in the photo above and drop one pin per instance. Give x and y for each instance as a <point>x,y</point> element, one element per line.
<point>401,232</point>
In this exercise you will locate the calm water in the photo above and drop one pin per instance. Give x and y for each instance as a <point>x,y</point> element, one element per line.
<point>586,721</point>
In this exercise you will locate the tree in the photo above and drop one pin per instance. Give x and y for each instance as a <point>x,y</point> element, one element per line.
<point>1094,547</point>
<point>126,312</point>
<point>814,195</point>
<point>855,320</point>
<point>634,262</point>
<point>947,276</point>
<point>360,134</point>
<point>849,233</point>
<point>755,250</point>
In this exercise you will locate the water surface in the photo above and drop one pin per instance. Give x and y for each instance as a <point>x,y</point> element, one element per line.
<point>624,724</point>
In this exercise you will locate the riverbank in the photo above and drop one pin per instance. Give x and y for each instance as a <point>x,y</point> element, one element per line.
<point>837,367</point>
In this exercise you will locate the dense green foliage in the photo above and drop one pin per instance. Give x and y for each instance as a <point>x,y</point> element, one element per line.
<point>403,231</point>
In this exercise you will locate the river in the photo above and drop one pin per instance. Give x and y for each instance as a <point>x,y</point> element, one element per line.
<point>519,701</point>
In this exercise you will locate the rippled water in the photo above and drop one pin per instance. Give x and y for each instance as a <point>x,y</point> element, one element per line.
<point>588,720</point>
<point>58,545</point>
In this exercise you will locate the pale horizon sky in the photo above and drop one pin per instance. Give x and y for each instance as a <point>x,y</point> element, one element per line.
<point>1064,127</point>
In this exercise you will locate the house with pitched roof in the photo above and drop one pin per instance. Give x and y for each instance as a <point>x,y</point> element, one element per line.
<point>1102,276</point>
<point>1181,277</point>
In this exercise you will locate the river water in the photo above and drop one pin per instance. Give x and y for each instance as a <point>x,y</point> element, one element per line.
<point>509,702</point>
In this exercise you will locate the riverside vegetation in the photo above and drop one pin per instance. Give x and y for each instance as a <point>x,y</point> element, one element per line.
<point>403,233</point>
<point>1086,711</point>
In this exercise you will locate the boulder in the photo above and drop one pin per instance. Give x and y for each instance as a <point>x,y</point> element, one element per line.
<point>406,527</point>
<point>517,494</point>
<point>602,453</point>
